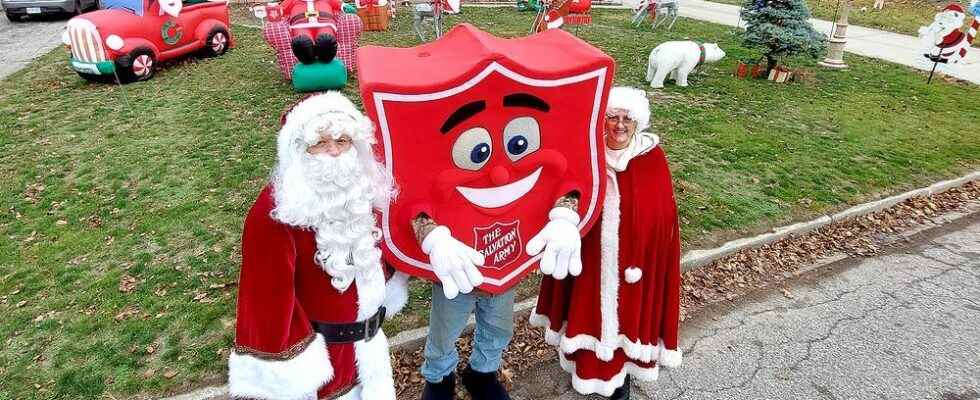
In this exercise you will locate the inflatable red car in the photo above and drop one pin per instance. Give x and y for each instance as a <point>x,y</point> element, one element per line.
<point>485,135</point>
<point>127,39</point>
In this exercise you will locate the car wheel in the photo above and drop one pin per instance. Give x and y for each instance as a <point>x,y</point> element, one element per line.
<point>217,43</point>
<point>137,66</point>
<point>13,17</point>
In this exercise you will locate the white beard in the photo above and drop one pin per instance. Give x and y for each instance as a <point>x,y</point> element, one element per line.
<point>332,196</point>
<point>943,24</point>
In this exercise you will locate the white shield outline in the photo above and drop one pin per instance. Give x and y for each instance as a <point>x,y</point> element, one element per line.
<point>381,97</point>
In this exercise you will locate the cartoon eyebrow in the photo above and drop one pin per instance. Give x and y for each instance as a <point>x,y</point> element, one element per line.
<point>526,100</point>
<point>461,114</point>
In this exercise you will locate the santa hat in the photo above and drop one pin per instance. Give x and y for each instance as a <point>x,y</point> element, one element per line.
<point>954,7</point>
<point>329,110</point>
<point>634,102</point>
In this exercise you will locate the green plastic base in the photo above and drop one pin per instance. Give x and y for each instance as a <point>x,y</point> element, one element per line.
<point>98,68</point>
<point>319,76</point>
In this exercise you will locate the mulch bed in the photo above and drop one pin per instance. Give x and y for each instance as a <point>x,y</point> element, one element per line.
<point>728,278</point>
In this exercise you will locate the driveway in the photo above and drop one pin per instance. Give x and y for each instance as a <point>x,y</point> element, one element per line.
<point>21,42</point>
<point>901,325</point>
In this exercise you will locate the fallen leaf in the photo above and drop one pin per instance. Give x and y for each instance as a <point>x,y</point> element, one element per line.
<point>127,283</point>
<point>169,373</point>
<point>787,293</point>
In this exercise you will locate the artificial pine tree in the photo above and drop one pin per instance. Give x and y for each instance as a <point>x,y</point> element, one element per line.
<point>781,28</point>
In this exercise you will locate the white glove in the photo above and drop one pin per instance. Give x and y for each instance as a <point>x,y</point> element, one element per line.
<point>561,243</point>
<point>453,262</point>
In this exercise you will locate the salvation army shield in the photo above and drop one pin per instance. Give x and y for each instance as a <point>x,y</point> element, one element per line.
<point>484,135</point>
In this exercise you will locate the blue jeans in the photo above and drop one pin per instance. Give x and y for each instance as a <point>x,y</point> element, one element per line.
<point>447,318</point>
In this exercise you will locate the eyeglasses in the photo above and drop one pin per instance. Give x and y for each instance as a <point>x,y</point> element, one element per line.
<point>617,119</point>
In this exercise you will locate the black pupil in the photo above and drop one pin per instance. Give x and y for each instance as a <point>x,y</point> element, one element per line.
<point>480,153</point>
<point>517,145</point>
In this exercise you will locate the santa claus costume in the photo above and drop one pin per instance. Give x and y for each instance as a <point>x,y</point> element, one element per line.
<point>312,291</point>
<point>620,316</point>
<point>312,28</point>
<point>948,44</point>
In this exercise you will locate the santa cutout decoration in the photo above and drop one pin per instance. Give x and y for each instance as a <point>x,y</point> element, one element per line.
<point>484,135</point>
<point>944,42</point>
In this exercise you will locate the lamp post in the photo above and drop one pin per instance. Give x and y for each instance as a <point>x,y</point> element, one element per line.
<point>835,51</point>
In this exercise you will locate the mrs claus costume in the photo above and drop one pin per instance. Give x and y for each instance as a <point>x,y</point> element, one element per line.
<point>620,316</point>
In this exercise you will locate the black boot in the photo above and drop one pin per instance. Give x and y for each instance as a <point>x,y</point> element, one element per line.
<point>623,392</point>
<point>303,49</point>
<point>484,385</point>
<point>445,390</point>
<point>326,47</point>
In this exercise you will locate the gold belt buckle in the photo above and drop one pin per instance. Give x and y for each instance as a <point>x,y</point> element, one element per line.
<point>312,14</point>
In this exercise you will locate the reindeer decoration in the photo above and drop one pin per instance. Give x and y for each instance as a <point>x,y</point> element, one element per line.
<point>432,10</point>
<point>551,16</point>
<point>659,12</point>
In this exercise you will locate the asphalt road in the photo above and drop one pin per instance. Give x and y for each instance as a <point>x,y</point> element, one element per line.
<point>21,42</point>
<point>902,325</point>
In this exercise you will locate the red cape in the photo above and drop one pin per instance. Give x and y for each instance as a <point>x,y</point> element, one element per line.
<point>637,298</point>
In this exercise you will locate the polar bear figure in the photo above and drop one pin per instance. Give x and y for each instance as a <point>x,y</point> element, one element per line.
<point>678,59</point>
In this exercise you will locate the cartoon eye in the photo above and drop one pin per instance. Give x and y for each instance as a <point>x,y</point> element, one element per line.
<point>472,149</point>
<point>522,136</point>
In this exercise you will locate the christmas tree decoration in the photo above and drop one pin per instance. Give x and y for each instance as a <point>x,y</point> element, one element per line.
<point>781,28</point>
<point>126,40</point>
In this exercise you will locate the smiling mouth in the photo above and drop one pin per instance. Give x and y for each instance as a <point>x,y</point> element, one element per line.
<point>499,196</point>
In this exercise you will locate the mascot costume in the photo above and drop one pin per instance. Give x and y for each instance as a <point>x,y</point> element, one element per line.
<point>496,147</point>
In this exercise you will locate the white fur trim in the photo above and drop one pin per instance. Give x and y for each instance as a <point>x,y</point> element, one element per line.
<point>374,375</point>
<point>292,379</point>
<point>634,101</point>
<point>609,273</point>
<point>551,337</point>
<point>632,274</point>
<point>331,106</point>
<point>370,291</point>
<point>644,352</point>
<point>396,294</point>
<point>670,358</point>
<point>602,387</point>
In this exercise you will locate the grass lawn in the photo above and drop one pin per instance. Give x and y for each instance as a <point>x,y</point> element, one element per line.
<point>902,16</point>
<point>121,207</point>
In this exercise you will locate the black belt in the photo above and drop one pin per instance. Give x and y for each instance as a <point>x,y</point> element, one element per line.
<point>352,332</point>
<point>318,14</point>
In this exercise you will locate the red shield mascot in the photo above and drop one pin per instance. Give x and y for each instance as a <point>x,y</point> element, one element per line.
<point>312,292</point>
<point>619,318</point>
<point>495,145</point>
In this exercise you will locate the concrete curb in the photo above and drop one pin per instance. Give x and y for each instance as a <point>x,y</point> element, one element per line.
<point>413,339</point>
<point>698,258</point>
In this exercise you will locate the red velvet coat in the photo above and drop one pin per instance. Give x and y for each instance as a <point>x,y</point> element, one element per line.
<point>621,315</point>
<point>302,26</point>
<point>281,289</point>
